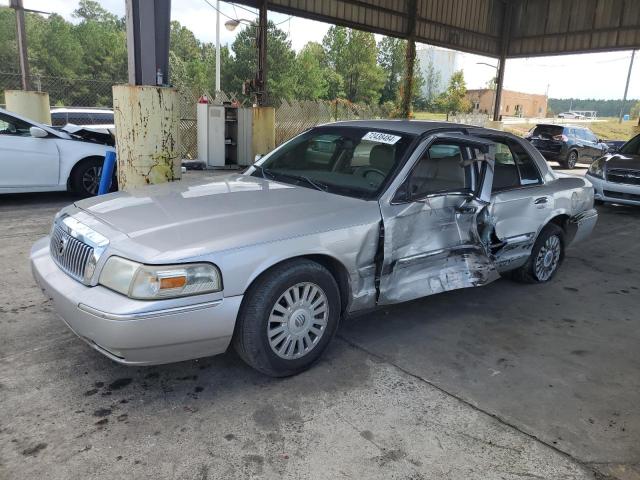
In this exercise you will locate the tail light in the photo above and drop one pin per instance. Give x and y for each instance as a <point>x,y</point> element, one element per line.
<point>561,137</point>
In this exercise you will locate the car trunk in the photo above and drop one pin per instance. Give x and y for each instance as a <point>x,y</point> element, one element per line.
<point>547,137</point>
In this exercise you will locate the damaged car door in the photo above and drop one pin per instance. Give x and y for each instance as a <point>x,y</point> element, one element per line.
<point>434,223</point>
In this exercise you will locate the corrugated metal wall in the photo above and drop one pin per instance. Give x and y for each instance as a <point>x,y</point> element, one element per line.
<point>538,27</point>
<point>548,27</point>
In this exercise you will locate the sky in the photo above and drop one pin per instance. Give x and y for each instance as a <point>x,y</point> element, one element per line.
<point>597,75</point>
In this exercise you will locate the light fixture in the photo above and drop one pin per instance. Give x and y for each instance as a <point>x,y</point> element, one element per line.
<point>231,24</point>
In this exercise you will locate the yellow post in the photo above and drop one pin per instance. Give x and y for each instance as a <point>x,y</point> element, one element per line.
<point>263,126</point>
<point>147,121</point>
<point>32,105</point>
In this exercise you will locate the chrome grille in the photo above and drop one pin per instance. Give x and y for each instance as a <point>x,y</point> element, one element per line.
<point>69,253</point>
<point>623,175</point>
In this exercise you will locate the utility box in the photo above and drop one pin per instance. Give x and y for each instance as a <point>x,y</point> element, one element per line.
<point>224,135</point>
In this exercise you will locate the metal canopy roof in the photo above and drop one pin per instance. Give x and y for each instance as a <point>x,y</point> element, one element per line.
<point>523,28</point>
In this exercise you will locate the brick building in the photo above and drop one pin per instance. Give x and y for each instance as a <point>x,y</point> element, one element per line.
<point>514,104</point>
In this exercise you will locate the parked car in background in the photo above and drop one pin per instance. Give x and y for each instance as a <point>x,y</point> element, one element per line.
<point>95,118</point>
<point>38,158</point>
<point>571,115</point>
<point>616,176</point>
<point>342,218</point>
<point>566,144</point>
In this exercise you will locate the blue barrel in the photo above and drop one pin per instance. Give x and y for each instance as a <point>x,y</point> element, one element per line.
<point>107,172</point>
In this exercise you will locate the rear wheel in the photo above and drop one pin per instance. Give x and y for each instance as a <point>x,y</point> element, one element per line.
<point>545,259</point>
<point>571,161</point>
<point>85,177</point>
<point>288,318</point>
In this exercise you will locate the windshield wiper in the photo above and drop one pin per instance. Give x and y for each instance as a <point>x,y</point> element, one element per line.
<point>271,175</point>
<point>264,171</point>
<point>323,187</point>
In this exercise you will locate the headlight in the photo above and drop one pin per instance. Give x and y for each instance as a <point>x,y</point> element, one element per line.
<point>596,169</point>
<point>152,282</point>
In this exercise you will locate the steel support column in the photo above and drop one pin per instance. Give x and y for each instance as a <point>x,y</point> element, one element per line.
<point>626,87</point>
<point>148,26</point>
<point>504,48</point>
<point>410,61</point>
<point>261,74</point>
<point>21,35</point>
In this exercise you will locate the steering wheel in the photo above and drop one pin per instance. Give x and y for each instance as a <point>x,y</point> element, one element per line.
<point>365,173</point>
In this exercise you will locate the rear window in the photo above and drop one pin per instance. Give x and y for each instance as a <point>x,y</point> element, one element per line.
<point>547,131</point>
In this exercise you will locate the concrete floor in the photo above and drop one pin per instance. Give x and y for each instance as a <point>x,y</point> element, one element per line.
<point>503,382</point>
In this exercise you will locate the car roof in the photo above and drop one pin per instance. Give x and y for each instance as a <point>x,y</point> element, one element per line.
<point>411,127</point>
<point>81,109</point>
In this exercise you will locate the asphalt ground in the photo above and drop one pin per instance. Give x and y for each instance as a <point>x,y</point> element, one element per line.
<point>506,381</point>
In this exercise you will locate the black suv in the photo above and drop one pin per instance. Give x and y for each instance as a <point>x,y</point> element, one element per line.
<point>566,144</point>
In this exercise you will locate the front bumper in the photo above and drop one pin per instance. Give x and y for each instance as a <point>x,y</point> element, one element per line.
<point>132,331</point>
<point>614,192</point>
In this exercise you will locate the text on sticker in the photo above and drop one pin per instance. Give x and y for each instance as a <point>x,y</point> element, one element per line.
<point>381,137</point>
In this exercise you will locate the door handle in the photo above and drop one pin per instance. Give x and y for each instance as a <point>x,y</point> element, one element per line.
<point>540,201</point>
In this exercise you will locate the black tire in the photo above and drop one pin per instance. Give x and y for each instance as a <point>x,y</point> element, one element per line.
<point>251,338</point>
<point>85,177</point>
<point>571,160</point>
<point>528,273</point>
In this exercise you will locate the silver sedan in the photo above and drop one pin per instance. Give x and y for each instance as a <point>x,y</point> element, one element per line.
<point>345,217</point>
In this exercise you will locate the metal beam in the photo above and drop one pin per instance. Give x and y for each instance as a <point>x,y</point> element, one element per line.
<point>148,27</point>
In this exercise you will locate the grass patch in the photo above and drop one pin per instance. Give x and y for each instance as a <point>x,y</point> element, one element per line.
<point>440,117</point>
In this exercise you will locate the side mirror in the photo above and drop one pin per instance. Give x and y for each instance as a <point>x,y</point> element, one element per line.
<point>600,140</point>
<point>258,157</point>
<point>37,132</point>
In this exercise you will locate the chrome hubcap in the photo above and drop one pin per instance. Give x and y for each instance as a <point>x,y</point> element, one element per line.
<point>298,321</point>
<point>548,258</point>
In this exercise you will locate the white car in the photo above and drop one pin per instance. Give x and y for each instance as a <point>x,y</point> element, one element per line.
<point>39,158</point>
<point>572,115</point>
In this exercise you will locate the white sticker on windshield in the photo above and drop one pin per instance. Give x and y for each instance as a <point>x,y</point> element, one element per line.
<point>381,137</point>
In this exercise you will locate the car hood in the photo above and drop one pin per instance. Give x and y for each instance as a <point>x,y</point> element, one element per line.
<point>620,160</point>
<point>190,218</point>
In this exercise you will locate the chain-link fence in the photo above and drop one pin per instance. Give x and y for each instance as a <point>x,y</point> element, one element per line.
<point>291,117</point>
<point>70,92</point>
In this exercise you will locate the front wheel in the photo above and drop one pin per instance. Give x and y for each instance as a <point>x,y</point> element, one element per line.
<point>85,177</point>
<point>288,318</point>
<point>545,259</point>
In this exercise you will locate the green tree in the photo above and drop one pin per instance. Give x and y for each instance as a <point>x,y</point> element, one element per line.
<point>432,83</point>
<point>309,71</point>
<point>453,99</point>
<point>103,39</point>
<point>8,47</point>
<point>635,110</point>
<point>280,62</point>
<point>53,46</point>
<point>352,55</point>
<point>391,57</point>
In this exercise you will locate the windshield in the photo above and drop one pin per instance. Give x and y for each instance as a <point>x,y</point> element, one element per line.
<point>632,147</point>
<point>351,161</point>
